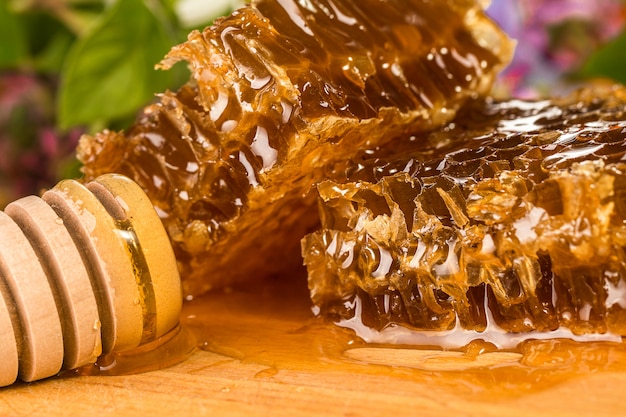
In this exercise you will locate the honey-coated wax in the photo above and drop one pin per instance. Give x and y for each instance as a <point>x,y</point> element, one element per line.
<point>509,219</point>
<point>280,92</point>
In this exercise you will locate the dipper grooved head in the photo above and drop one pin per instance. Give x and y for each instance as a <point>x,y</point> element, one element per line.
<point>84,270</point>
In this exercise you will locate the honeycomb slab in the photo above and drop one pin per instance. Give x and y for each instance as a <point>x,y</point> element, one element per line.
<point>281,91</point>
<point>511,218</point>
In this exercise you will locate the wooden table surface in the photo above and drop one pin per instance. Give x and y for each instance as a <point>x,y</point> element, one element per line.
<point>262,354</point>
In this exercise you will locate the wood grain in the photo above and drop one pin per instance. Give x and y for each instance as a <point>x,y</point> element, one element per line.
<point>211,384</point>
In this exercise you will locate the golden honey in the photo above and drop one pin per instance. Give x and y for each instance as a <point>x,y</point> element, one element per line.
<point>281,91</point>
<point>440,210</point>
<point>506,224</point>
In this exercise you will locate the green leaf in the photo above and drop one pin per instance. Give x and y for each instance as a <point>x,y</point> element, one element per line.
<point>51,59</point>
<point>12,41</point>
<point>41,27</point>
<point>49,41</point>
<point>110,72</point>
<point>608,61</point>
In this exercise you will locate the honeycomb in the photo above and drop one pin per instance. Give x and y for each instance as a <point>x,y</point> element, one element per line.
<point>281,91</point>
<point>513,216</point>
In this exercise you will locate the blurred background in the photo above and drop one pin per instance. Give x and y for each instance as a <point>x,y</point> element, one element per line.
<point>73,66</point>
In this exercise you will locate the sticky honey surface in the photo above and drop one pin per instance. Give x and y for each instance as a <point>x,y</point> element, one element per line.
<point>280,92</point>
<point>508,220</point>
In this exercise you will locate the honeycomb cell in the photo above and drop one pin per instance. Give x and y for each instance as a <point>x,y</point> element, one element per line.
<point>281,91</point>
<point>512,220</point>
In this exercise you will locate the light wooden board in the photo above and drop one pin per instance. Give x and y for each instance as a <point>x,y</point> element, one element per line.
<point>263,355</point>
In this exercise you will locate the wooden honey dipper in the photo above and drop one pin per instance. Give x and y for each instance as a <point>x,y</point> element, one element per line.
<point>84,270</point>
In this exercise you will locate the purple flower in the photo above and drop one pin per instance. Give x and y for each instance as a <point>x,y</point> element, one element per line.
<point>554,37</point>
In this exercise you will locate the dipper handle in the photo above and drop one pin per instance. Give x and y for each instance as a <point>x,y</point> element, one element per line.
<point>84,270</point>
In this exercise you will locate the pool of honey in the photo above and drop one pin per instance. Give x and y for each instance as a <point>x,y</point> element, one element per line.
<point>271,325</point>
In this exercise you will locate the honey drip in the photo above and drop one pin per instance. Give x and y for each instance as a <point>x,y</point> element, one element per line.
<point>170,349</point>
<point>509,220</point>
<point>280,92</point>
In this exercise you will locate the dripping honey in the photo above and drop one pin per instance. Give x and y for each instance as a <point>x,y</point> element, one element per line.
<point>510,217</point>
